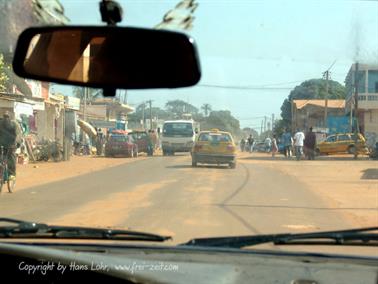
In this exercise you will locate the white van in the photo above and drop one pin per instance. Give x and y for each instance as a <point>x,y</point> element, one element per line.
<point>178,136</point>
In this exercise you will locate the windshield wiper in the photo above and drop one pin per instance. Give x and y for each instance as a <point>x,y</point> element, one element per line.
<point>24,229</point>
<point>359,237</point>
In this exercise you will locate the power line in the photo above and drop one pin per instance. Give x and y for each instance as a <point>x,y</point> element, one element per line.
<point>243,87</point>
<point>251,118</point>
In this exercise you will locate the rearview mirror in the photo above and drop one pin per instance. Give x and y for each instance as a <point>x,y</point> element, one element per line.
<point>108,57</point>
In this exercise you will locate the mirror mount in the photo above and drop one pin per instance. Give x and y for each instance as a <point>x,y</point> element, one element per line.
<point>109,92</point>
<point>111,12</point>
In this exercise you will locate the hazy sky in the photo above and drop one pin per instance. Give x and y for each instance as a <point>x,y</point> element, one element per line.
<point>268,47</point>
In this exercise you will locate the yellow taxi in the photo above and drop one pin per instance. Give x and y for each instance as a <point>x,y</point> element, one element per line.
<point>214,147</point>
<point>342,143</point>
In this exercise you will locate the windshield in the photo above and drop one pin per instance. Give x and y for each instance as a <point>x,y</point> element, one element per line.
<point>119,138</point>
<point>178,128</point>
<point>279,76</point>
<point>214,137</point>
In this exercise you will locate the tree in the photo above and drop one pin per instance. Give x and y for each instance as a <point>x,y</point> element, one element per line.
<point>157,112</point>
<point>3,75</point>
<point>179,107</point>
<point>222,120</point>
<point>247,131</point>
<point>279,127</point>
<point>311,89</point>
<point>206,108</point>
<point>79,92</point>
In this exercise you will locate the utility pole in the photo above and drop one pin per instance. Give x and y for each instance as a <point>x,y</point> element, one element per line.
<point>85,104</point>
<point>85,90</point>
<point>144,117</point>
<point>264,123</point>
<point>292,116</point>
<point>272,122</point>
<point>261,129</point>
<point>326,77</point>
<point>150,102</point>
<point>356,127</point>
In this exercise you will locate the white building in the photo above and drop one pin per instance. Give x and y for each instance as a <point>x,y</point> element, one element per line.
<point>367,99</point>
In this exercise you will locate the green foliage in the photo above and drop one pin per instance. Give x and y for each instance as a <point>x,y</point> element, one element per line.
<point>280,126</point>
<point>3,76</point>
<point>157,112</point>
<point>206,108</point>
<point>311,89</point>
<point>222,120</point>
<point>246,131</point>
<point>79,92</point>
<point>179,107</point>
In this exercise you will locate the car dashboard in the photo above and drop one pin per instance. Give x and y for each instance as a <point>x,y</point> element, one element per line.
<point>93,263</point>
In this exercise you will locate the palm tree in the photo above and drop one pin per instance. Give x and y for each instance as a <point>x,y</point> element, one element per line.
<point>206,109</point>
<point>79,92</point>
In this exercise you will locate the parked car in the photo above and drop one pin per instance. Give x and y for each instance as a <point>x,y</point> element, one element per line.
<point>214,147</point>
<point>121,145</point>
<point>143,140</point>
<point>342,143</point>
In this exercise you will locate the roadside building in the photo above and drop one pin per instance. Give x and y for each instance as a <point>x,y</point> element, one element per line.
<point>367,113</point>
<point>106,113</point>
<point>310,113</point>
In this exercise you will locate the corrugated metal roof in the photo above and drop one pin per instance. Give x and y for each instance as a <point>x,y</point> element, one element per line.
<point>331,103</point>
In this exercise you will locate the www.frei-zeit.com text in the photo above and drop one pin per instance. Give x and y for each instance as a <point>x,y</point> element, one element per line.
<point>46,267</point>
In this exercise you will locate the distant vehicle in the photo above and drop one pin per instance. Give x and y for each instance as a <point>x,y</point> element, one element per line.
<point>214,147</point>
<point>259,147</point>
<point>143,140</point>
<point>121,145</point>
<point>178,136</point>
<point>342,143</point>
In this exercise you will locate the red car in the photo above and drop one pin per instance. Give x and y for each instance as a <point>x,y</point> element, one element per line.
<point>121,145</point>
<point>144,142</point>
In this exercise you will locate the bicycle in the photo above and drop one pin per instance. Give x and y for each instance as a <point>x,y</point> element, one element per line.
<point>4,172</point>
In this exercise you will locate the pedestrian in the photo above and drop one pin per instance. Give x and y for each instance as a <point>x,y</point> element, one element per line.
<point>242,144</point>
<point>274,146</point>
<point>287,142</point>
<point>100,140</point>
<point>299,138</point>
<point>10,139</point>
<point>251,142</point>
<point>310,144</point>
<point>268,144</point>
<point>153,139</point>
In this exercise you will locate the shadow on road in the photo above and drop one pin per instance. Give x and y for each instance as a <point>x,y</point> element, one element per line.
<point>198,167</point>
<point>175,155</point>
<point>267,158</point>
<point>370,174</point>
<point>294,207</point>
<point>321,158</point>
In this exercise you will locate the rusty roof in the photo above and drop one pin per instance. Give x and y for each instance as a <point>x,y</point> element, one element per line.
<point>321,103</point>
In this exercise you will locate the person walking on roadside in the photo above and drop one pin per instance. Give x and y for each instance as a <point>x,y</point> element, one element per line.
<point>10,139</point>
<point>268,144</point>
<point>287,142</point>
<point>274,146</point>
<point>100,140</point>
<point>299,138</point>
<point>310,144</point>
<point>242,144</point>
<point>251,141</point>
